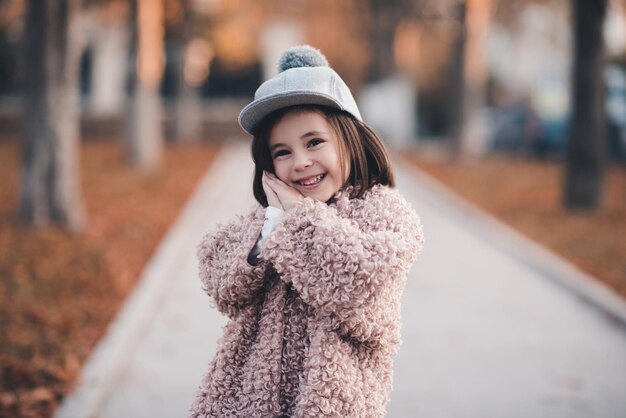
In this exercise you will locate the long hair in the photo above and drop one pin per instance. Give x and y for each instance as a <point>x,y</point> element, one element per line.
<point>358,144</point>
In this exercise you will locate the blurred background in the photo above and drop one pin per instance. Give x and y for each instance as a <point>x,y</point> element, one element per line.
<point>494,75</point>
<point>112,110</point>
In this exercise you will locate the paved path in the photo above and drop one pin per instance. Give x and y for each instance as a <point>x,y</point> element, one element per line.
<point>492,326</point>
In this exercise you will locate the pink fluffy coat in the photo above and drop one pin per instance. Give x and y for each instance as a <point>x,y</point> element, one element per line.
<point>315,325</point>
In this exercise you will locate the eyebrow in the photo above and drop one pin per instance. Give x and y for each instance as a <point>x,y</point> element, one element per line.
<point>306,135</point>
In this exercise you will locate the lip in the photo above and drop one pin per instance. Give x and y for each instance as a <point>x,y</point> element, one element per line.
<point>309,177</point>
<point>311,186</point>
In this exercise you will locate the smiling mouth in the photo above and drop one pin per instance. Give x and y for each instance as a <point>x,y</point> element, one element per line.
<point>312,181</point>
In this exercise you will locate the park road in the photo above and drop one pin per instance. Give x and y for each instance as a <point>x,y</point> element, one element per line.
<point>488,331</point>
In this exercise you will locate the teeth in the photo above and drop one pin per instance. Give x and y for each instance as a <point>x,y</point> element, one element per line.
<point>312,181</point>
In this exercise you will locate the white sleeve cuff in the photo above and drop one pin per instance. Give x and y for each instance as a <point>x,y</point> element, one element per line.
<point>272,217</point>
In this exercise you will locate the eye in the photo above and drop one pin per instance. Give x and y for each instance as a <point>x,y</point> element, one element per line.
<point>315,142</point>
<point>280,153</point>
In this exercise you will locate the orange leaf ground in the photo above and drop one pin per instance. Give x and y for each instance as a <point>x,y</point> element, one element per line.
<point>58,291</point>
<point>526,194</point>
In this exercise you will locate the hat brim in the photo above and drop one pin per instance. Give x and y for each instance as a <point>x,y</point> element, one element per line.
<point>255,112</point>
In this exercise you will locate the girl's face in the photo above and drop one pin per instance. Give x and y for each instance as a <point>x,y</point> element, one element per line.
<point>305,152</point>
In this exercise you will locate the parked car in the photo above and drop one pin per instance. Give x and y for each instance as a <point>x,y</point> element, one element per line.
<point>523,127</point>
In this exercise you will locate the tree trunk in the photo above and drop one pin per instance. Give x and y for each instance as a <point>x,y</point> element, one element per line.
<point>472,138</point>
<point>188,117</point>
<point>110,44</point>
<point>586,142</point>
<point>385,17</point>
<point>50,191</point>
<point>144,142</point>
<point>456,125</point>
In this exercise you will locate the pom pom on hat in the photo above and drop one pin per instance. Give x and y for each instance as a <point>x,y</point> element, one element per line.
<point>301,56</point>
<point>311,82</point>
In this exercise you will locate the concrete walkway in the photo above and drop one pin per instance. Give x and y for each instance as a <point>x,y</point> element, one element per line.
<point>493,326</point>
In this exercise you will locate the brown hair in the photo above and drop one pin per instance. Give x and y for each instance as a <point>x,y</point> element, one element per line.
<point>369,160</point>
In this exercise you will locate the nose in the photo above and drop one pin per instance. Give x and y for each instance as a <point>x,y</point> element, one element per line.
<point>301,161</point>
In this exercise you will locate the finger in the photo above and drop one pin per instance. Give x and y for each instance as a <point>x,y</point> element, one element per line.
<point>272,179</point>
<point>287,196</point>
<point>267,188</point>
<point>279,189</point>
<point>284,192</point>
<point>286,188</point>
<point>269,183</point>
<point>272,197</point>
<point>275,180</point>
<point>272,200</point>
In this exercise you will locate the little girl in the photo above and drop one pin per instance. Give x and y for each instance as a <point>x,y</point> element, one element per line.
<point>311,277</point>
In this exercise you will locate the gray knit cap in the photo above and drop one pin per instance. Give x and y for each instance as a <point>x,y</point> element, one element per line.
<point>304,77</point>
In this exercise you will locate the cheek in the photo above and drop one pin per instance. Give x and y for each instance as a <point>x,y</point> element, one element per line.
<point>342,166</point>
<point>281,170</point>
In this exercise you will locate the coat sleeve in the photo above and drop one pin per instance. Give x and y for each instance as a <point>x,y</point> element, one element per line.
<point>349,269</point>
<point>226,274</point>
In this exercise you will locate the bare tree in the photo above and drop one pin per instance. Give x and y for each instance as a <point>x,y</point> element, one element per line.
<point>144,139</point>
<point>468,76</point>
<point>385,16</point>
<point>50,192</point>
<point>188,111</point>
<point>457,123</point>
<point>586,143</point>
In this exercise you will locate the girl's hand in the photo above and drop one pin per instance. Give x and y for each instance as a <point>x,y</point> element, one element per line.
<point>272,198</point>
<point>287,195</point>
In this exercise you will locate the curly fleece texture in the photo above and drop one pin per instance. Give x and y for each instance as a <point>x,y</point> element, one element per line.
<point>315,325</point>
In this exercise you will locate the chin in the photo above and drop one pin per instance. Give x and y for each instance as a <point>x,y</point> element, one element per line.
<point>322,197</point>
